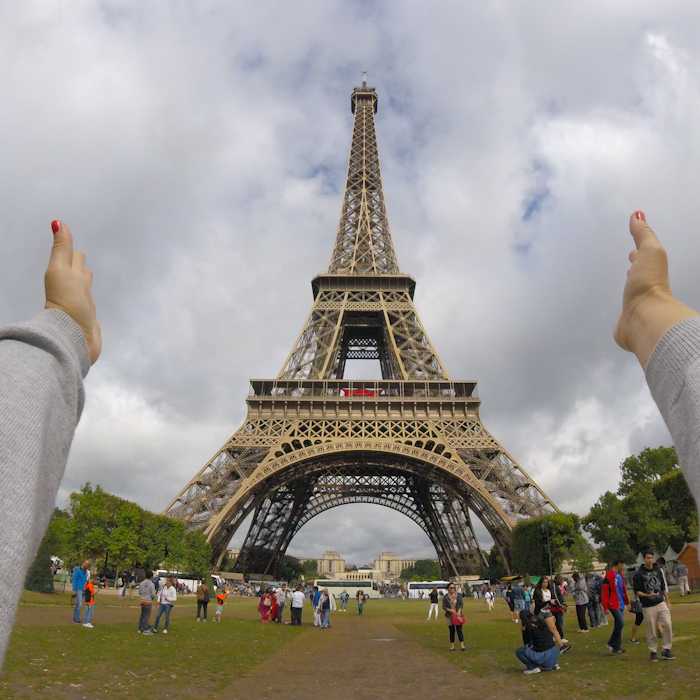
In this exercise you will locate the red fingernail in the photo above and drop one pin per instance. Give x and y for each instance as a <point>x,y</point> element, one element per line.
<point>55,227</point>
<point>640,215</point>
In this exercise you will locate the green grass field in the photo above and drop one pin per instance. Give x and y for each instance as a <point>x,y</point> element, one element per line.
<point>51,657</point>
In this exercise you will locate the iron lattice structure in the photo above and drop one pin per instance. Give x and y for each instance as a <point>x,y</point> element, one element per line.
<point>412,441</point>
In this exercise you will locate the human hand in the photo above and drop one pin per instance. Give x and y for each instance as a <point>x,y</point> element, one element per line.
<point>649,308</point>
<point>68,287</point>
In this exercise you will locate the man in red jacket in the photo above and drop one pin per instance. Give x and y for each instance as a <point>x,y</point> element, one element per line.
<point>613,596</point>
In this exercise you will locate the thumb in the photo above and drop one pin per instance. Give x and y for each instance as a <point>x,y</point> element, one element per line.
<point>62,251</point>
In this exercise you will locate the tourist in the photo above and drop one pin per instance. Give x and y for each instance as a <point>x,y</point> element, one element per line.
<point>528,597</point>
<point>452,604</point>
<point>167,598</point>
<point>296,605</point>
<point>651,590</point>
<point>361,600</point>
<point>682,578</point>
<point>489,596</point>
<point>434,598</point>
<point>518,600</point>
<point>542,595</point>
<point>558,604</point>
<point>221,595</point>
<point>89,602</point>
<point>614,598</point>
<point>581,601</point>
<point>540,651</point>
<point>202,600</point>
<point>508,598</point>
<point>344,597</point>
<point>281,597</point>
<point>80,578</point>
<point>314,601</point>
<point>593,591</point>
<point>268,606</point>
<point>324,605</point>
<point>147,592</point>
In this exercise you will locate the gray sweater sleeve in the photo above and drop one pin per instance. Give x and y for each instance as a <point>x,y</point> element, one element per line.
<point>673,375</point>
<point>42,365</point>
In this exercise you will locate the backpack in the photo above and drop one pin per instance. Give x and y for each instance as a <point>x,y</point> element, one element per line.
<point>88,594</point>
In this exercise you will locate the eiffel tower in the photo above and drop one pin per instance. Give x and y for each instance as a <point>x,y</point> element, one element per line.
<point>312,440</point>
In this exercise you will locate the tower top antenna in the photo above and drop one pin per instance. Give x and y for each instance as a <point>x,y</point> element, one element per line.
<point>364,78</point>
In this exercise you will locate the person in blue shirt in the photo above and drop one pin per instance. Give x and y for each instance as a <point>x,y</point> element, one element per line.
<point>80,578</point>
<point>317,612</point>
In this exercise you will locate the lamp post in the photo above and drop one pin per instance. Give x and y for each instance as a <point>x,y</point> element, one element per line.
<point>545,528</point>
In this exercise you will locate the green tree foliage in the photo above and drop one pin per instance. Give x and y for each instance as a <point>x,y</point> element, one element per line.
<point>422,570</point>
<point>534,541</point>
<point>653,508</point>
<point>291,569</point>
<point>648,465</point>
<point>39,576</point>
<point>495,568</point>
<point>310,568</point>
<point>609,525</point>
<point>117,534</point>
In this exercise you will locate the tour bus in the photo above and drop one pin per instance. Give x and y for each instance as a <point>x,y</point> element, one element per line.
<point>421,589</point>
<point>370,588</point>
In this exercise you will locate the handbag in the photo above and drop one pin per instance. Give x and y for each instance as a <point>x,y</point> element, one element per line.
<point>636,607</point>
<point>458,620</point>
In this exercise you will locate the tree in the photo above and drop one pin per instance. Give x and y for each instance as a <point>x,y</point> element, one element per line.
<point>310,566</point>
<point>292,569</point>
<point>648,465</point>
<point>495,568</point>
<point>544,542</point>
<point>653,508</point>
<point>609,525</point>
<point>39,577</point>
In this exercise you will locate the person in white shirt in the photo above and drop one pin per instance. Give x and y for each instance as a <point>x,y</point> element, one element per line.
<point>281,597</point>
<point>297,603</point>
<point>166,597</point>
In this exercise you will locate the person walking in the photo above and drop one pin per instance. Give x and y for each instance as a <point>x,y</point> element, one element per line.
<point>452,604</point>
<point>614,598</point>
<point>344,597</point>
<point>434,598</point>
<point>89,602</point>
<point>518,599</point>
<point>361,599</point>
<point>488,596</point>
<point>682,578</point>
<point>324,605</point>
<point>281,596</point>
<point>296,604</point>
<point>221,595</point>
<point>508,598</point>
<point>581,600</point>
<point>80,578</point>
<point>593,591</point>
<point>147,592</point>
<point>166,597</point>
<point>650,587</point>
<point>202,600</point>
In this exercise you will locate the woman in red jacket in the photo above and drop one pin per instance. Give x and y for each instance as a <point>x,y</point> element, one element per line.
<point>613,596</point>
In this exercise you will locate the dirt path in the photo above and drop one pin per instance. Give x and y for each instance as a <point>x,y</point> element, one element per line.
<point>365,658</point>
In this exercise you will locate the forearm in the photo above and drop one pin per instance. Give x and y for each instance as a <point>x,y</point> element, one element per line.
<point>42,364</point>
<point>673,375</point>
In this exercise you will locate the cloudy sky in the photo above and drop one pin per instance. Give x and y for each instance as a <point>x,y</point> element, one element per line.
<point>198,151</point>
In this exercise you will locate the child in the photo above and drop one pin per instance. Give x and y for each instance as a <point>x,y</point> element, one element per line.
<point>221,596</point>
<point>89,602</point>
